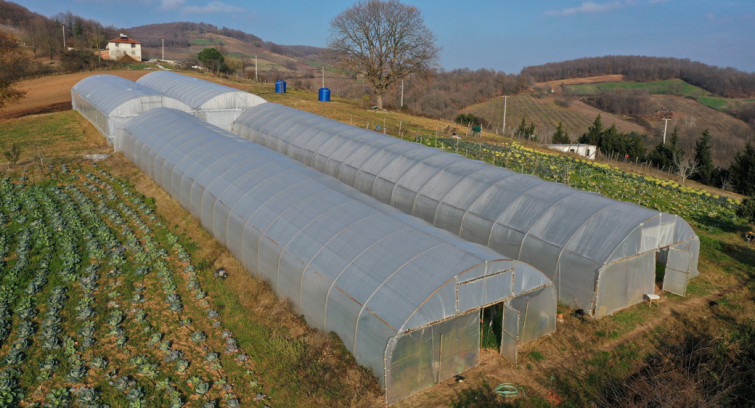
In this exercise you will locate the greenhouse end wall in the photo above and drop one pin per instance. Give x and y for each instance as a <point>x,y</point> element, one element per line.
<point>348,263</point>
<point>109,101</point>
<point>570,235</point>
<point>213,103</point>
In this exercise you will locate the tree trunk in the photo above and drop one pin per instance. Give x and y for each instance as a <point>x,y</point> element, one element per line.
<point>380,100</point>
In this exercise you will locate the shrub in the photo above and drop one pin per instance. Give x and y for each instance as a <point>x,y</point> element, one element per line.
<point>747,209</point>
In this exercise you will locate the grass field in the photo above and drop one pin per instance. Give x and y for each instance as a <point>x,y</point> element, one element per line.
<point>205,41</point>
<point>119,222</point>
<point>666,87</point>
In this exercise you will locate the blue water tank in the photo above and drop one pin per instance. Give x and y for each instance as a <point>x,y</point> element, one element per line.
<point>324,95</point>
<point>280,86</point>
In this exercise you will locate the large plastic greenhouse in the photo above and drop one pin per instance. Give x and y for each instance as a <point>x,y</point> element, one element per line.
<point>600,253</point>
<point>405,297</point>
<point>109,101</point>
<point>211,102</point>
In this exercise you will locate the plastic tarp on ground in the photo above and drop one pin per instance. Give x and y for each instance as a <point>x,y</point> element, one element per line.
<point>600,253</point>
<point>217,104</point>
<point>109,101</point>
<point>405,297</point>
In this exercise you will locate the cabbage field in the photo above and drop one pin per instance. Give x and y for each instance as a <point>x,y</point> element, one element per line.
<point>700,208</point>
<point>100,303</point>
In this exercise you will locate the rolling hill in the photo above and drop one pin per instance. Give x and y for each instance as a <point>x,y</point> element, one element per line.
<point>183,41</point>
<point>691,113</point>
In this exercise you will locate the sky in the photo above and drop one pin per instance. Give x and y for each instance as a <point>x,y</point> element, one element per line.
<point>504,35</point>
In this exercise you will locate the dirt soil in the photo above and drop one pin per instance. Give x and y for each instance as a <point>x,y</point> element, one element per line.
<point>53,93</point>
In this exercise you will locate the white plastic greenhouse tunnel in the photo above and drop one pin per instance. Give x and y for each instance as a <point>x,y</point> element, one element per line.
<point>600,253</point>
<point>217,104</point>
<point>109,101</point>
<point>405,298</point>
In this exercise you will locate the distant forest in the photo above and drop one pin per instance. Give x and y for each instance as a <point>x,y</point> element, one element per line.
<point>447,92</point>
<point>726,82</point>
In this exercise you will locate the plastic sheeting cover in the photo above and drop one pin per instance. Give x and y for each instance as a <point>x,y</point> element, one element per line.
<point>349,263</point>
<point>566,233</point>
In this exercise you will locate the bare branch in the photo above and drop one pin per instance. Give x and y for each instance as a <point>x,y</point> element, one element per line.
<point>685,168</point>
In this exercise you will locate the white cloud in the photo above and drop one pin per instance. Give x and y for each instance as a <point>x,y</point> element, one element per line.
<point>171,4</point>
<point>211,7</point>
<point>591,7</point>
<point>587,7</point>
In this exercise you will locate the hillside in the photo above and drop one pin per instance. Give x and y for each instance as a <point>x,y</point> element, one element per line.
<point>184,40</point>
<point>285,363</point>
<point>547,105</point>
<point>726,82</point>
<point>567,95</point>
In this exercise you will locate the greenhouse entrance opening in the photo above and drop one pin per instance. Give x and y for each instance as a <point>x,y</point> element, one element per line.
<point>661,257</point>
<point>492,323</point>
<point>499,330</point>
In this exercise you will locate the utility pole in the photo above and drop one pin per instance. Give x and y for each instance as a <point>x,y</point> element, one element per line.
<point>323,76</point>
<point>402,94</point>
<point>64,36</point>
<point>255,68</point>
<point>665,126</point>
<point>162,44</point>
<point>504,115</point>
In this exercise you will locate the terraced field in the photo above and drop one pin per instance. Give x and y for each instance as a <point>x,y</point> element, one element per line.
<point>545,114</point>
<point>729,133</point>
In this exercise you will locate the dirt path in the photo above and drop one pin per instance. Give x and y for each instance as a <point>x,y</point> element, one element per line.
<point>53,93</point>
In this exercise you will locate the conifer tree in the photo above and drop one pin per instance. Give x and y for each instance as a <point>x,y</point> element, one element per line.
<point>561,137</point>
<point>704,159</point>
<point>742,171</point>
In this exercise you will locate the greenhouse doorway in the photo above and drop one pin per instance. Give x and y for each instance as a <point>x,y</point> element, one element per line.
<point>500,330</point>
<point>661,257</point>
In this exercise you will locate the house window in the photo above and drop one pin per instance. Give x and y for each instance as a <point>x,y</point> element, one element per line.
<point>133,45</point>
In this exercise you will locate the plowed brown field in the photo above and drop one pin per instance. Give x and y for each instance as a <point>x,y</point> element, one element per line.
<point>53,93</point>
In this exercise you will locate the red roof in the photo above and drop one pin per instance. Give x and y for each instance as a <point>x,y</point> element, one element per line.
<point>124,40</point>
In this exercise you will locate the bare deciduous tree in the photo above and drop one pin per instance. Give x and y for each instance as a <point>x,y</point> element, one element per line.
<point>385,40</point>
<point>685,168</point>
<point>13,65</point>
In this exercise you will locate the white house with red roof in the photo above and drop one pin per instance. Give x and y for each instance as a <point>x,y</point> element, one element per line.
<point>118,47</point>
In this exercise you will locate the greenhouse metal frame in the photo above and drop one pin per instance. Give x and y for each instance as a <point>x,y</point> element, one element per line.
<point>217,104</point>
<point>600,253</point>
<point>405,297</point>
<point>109,101</point>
